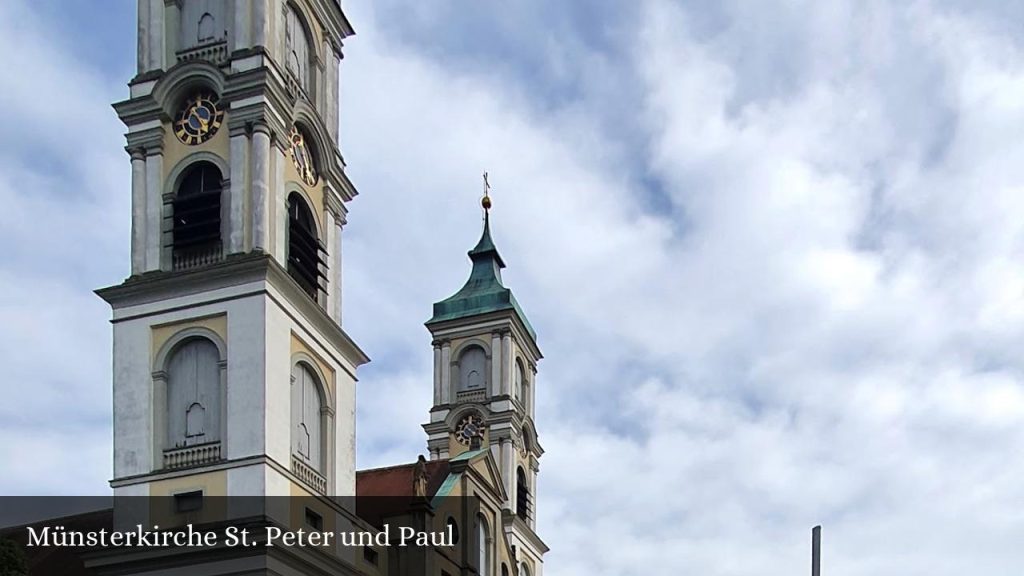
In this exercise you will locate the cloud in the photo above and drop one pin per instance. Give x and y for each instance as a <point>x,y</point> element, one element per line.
<point>772,253</point>
<point>63,226</point>
<point>815,328</point>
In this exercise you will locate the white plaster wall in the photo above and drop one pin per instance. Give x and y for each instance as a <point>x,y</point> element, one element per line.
<point>278,384</point>
<point>133,373</point>
<point>132,490</point>
<point>133,401</point>
<point>246,480</point>
<point>259,329</point>
<point>277,483</point>
<point>345,437</point>
<point>246,394</point>
<point>282,319</point>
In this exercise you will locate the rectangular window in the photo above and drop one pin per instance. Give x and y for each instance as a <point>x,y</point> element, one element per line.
<point>188,501</point>
<point>314,520</point>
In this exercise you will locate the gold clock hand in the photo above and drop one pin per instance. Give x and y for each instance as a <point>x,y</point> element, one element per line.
<point>203,124</point>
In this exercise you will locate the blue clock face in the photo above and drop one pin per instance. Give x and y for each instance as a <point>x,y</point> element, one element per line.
<point>471,426</point>
<point>198,120</point>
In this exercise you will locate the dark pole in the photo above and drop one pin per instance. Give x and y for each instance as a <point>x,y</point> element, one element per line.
<point>816,551</point>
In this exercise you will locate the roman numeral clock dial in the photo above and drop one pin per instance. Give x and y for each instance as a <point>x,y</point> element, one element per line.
<point>198,119</point>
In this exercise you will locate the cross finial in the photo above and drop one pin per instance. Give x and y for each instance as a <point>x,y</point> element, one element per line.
<point>486,200</point>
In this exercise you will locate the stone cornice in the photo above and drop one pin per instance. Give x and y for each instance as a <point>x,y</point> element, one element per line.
<point>233,271</point>
<point>490,322</point>
<point>335,23</point>
<point>510,519</point>
<point>149,141</point>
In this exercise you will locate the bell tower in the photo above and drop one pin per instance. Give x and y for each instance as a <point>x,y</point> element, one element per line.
<point>232,374</point>
<point>485,373</point>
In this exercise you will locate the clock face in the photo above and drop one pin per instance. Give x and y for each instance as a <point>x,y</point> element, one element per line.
<point>199,119</point>
<point>471,426</point>
<point>302,158</point>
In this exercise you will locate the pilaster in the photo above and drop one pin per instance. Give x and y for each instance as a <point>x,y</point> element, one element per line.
<point>239,179</point>
<point>154,207</point>
<point>138,247</point>
<point>328,240</point>
<point>156,35</point>
<point>142,50</point>
<point>280,212</point>
<point>243,18</point>
<point>337,271</point>
<point>437,372</point>
<point>496,364</point>
<point>446,372</point>
<point>508,472</point>
<point>260,187</point>
<point>260,22</point>
<point>506,362</point>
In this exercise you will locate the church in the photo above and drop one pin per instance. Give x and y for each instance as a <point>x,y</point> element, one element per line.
<point>232,371</point>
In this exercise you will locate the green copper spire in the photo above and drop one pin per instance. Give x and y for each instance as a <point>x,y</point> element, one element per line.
<point>483,292</point>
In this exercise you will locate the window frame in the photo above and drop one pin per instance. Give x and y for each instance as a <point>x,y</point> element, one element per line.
<point>317,287</point>
<point>159,378</point>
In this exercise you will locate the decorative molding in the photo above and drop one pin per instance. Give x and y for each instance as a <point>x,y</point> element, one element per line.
<point>302,357</point>
<point>473,341</point>
<point>187,333</point>
<point>292,186</point>
<point>175,174</point>
<point>234,270</point>
<point>184,78</point>
<point>150,141</point>
<point>192,456</point>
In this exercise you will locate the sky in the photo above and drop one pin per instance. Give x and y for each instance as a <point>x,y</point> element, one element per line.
<point>773,252</point>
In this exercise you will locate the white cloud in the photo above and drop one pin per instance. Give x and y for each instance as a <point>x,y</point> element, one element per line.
<point>778,277</point>
<point>821,335</point>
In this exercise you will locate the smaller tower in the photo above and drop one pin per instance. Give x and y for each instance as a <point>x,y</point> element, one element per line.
<point>485,369</point>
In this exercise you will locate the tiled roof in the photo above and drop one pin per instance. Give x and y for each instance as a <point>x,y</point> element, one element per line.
<point>398,480</point>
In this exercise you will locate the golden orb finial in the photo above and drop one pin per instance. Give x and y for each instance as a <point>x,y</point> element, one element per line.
<point>486,200</point>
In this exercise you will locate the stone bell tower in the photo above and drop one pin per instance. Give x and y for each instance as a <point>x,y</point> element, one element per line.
<point>485,372</point>
<point>232,373</point>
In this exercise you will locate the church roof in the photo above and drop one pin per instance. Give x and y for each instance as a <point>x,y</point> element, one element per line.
<point>483,292</point>
<point>398,480</point>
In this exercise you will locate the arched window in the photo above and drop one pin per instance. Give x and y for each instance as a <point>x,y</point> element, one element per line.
<point>504,569</point>
<point>306,418</point>
<point>196,214</point>
<point>472,369</point>
<point>297,54</point>
<point>193,394</point>
<point>522,495</point>
<point>207,28</point>
<point>483,545</point>
<point>453,527</point>
<point>523,569</point>
<point>306,263</point>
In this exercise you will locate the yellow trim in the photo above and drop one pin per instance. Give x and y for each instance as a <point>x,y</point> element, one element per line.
<point>297,346</point>
<point>212,484</point>
<point>161,333</point>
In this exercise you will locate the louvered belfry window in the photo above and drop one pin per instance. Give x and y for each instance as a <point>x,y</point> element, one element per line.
<point>196,230</point>
<point>522,495</point>
<point>306,255</point>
